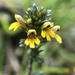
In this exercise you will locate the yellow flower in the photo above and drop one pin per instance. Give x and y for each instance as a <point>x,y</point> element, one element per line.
<point>32,39</point>
<point>57,37</point>
<point>20,22</point>
<point>46,31</point>
<point>29,20</point>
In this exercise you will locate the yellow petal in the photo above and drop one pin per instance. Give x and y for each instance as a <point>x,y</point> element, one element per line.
<point>43,34</point>
<point>58,38</point>
<point>37,41</point>
<point>48,37</point>
<point>27,41</point>
<point>32,43</point>
<point>52,34</point>
<point>14,26</point>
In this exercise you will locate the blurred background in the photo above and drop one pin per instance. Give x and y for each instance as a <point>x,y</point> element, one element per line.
<point>59,59</point>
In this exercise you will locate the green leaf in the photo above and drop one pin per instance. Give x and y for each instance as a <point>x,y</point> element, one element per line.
<point>21,41</point>
<point>22,45</point>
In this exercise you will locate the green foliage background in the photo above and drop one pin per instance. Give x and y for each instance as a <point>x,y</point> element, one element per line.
<point>56,56</point>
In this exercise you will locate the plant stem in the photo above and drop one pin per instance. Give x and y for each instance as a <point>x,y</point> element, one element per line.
<point>30,64</point>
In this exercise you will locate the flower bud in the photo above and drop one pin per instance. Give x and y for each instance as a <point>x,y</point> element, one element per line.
<point>29,20</point>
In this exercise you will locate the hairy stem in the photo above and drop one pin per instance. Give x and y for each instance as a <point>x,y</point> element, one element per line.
<point>30,64</point>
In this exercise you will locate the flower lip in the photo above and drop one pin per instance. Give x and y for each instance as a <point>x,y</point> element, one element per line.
<point>47,25</point>
<point>56,28</point>
<point>31,32</point>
